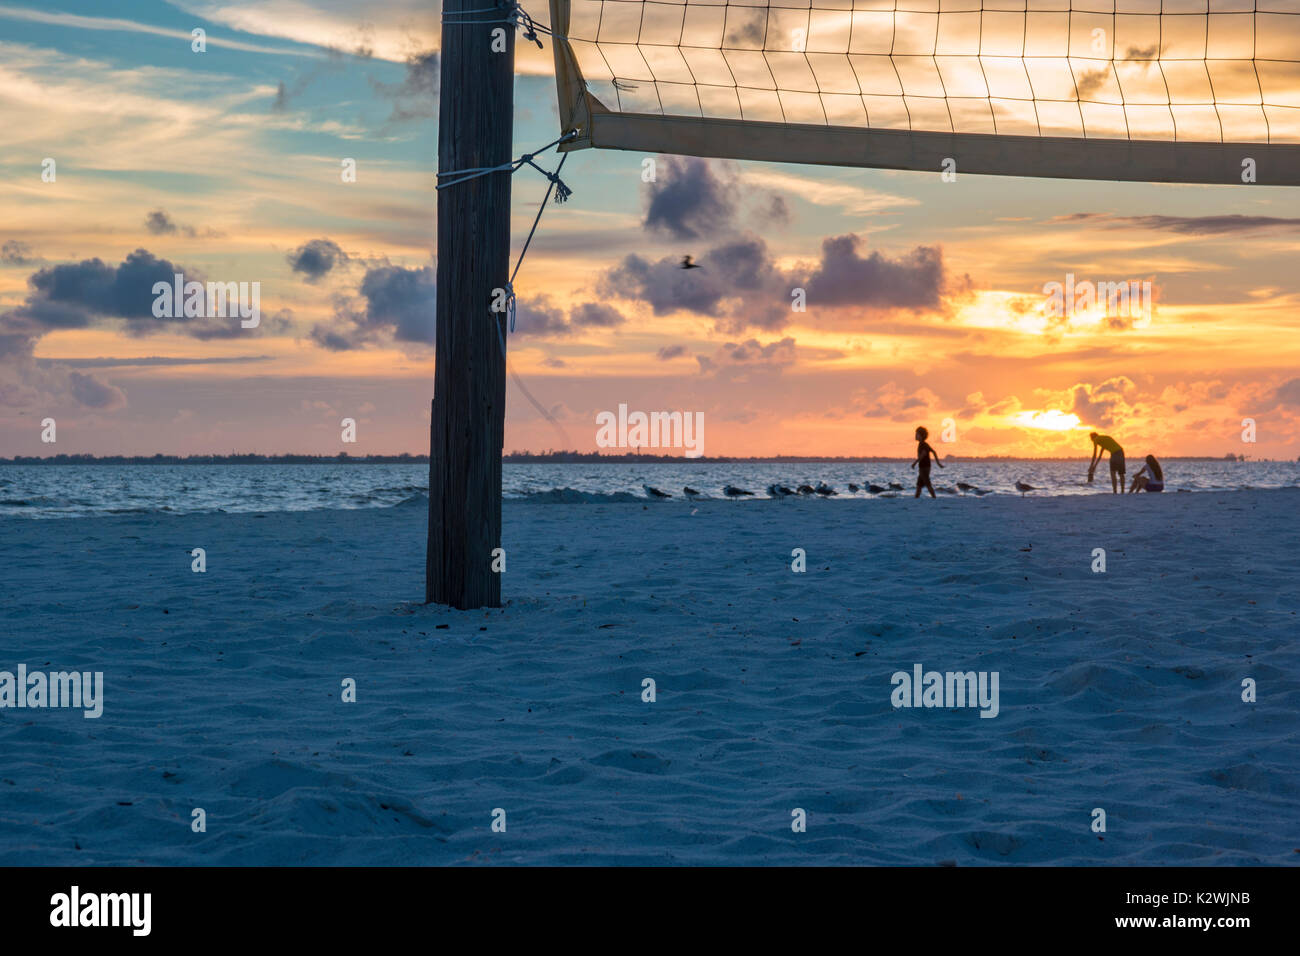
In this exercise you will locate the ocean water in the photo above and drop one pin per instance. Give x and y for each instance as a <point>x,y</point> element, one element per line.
<point>56,491</point>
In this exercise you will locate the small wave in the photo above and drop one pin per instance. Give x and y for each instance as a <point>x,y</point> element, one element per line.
<point>415,501</point>
<point>571,496</point>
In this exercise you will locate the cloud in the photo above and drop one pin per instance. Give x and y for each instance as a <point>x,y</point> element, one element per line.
<point>1187,225</point>
<point>669,352</point>
<point>399,303</point>
<point>740,286</point>
<point>315,258</point>
<point>914,281</point>
<point>538,318</point>
<point>74,295</point>
<point>152,360</point>
<point>891,401</point>
<point>92,393</point>
<point>1107,404</point>
<point>416,97</point>
<point>595,315</point>
<point>159,223</point>
<point>737,283</point>
<point>1288,393</point>
<point>822,191</point>
<point>692,198</point>
<point>14,252</point>
<point>749,354</point>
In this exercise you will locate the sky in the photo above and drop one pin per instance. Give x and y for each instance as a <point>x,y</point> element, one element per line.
<point>923,300</point>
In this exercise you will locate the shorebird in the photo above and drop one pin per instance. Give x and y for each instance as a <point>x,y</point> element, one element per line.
<point>690,492</point>
<point>805,489</point>
<point>731,491</point>
<point>896,486</point>
<point>965,487</point>
<point>875,489</point>
<point>1022,488</point>
<point>852,486</point>
<point>824,489</point>
<point>779,491</point>
<point>655,492</point>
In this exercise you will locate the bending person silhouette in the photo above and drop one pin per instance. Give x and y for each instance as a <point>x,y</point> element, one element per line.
<point>1105,443</point>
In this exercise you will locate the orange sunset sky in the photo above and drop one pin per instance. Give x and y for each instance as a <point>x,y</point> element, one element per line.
<point>925,299</point>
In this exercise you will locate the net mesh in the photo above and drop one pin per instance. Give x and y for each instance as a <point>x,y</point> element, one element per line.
<point>1197,71</point>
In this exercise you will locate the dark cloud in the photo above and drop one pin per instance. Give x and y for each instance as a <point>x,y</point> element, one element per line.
<point>1187,225</point>
<point>671,352</point>
<point>595,315</point>
<point>159,223</point>
<point>748,28</point>
<point>752,353</point>
<point>1091,81</point>
<point>912,281</point>
<point>1288,393</point>
<point>740,286</point>
<point>334,61</point>
<point>539,318</point>
<point>83,294</point>
<point>692,198</point>
<point>316,257</point>
<point>399,302</point>
<point>14,252</point>
<point>777,210</point>
<point>737,270</point>
<point>416,97</point>
<point>92,393</point>
<point>72,295</point>
<point>151,360</point>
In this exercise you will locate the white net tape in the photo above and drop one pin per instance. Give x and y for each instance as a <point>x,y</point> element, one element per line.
<point>1201,72</point>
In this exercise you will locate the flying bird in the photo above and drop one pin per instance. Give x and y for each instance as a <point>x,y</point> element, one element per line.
<point>689,263</point>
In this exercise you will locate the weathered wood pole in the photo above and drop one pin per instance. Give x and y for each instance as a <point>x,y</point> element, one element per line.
<point>467,429</point>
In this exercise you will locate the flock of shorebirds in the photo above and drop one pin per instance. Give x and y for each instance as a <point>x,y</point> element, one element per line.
<point>825,490</point>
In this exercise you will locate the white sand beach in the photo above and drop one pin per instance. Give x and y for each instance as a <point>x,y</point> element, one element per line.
<point>1119,690</point>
